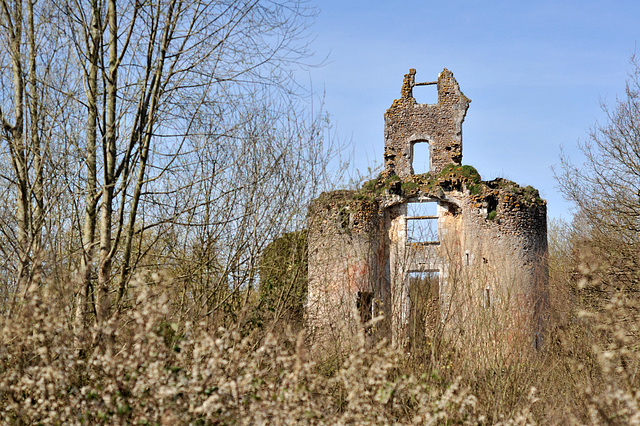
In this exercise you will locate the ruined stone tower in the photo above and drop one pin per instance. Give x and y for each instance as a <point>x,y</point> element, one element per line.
<point>439,125</point>
<point>411,256</point>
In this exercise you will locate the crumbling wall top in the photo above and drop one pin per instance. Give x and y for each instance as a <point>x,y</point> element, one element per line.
<point>440,125</point>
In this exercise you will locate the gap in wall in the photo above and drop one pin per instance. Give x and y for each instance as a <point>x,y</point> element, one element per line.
<point>422,222</point>
<point>420,161</point>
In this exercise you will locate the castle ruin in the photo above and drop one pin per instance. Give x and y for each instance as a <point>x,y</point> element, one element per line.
<point>410,255</point>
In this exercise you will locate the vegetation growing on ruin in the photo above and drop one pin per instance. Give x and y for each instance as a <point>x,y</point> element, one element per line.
<point>456,177</point>
<point>465,171</point>
<point>475,189</point>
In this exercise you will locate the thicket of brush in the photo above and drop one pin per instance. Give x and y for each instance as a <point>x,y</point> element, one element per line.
<point>151,364</point>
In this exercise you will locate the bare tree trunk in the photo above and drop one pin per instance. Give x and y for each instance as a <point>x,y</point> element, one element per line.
<point>15,136</point>
<point>91,199</point>
<point>146,132</point>
<point>37,221</point>
<point>106,248</point>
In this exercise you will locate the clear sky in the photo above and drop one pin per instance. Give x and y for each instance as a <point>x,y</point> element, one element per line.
<point>536,72</point>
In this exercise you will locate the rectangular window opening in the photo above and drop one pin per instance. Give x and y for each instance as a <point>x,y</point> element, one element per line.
<point>426,94</point>
<point>364,303</point>
<point>422,223</point>
<point>420,162</point>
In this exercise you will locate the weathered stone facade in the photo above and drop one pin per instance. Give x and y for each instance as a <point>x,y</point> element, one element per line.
<point>440,125</point>
<point>485,255</point>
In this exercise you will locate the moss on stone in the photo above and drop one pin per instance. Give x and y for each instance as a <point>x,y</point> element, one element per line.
<point>452,177</point>
<point>466,171</point>
<point>409,186</point>
<point>475,189</point>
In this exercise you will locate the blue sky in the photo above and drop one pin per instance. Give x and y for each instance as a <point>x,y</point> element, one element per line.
<point>536,72</point>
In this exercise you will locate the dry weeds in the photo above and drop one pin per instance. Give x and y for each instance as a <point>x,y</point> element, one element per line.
<point>145,367</point>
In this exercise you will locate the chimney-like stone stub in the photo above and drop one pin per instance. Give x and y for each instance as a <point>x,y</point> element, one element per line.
<point>440,125</point>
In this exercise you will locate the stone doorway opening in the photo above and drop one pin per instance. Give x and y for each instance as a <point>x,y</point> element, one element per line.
<point>424,313</point>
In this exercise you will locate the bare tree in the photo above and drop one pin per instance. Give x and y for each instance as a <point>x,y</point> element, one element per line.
<point>32,102</point>
<point>249,185</point>
<point>156,136</point>
<point>606,188</point>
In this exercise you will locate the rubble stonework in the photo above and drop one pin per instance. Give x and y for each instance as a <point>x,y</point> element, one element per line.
<point>440,125</point>
<point>489,255</point>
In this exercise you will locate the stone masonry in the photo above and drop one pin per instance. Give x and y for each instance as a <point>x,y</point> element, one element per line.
<point>479,276</point>
<point>440,125</point>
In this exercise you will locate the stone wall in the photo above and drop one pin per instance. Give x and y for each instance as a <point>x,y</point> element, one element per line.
<point>503,267</point>
<point>440,125</point>
<point>344,267</point>
<point>490,253</point>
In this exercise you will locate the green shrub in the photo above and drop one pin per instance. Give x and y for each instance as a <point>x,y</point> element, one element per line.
<point>283,277</point>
